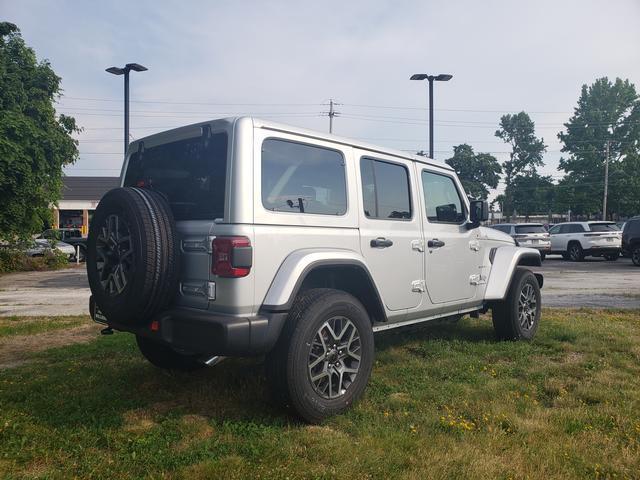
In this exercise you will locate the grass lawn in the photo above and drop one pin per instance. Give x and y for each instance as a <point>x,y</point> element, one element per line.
<point>444,401</point>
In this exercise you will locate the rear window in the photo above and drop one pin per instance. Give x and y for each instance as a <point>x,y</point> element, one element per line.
<point>191,174</point>
<point>303,178</point>
<point>603,227</point>
<point>530,229</point>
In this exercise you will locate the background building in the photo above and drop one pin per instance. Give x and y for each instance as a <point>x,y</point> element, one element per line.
<point>80,197</point>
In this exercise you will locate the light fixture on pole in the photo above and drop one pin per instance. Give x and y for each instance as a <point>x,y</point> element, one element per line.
<point>136,67</point>
<point>443,77</point>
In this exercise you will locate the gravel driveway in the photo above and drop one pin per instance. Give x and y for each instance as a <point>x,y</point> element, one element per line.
<point>592,283</point>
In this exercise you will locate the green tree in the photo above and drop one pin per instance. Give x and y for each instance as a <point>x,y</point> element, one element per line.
<point>607,117</point>
<point>532,194</point>
<point>526,151</point>
<point>477,172</point>
<point>34,143</point>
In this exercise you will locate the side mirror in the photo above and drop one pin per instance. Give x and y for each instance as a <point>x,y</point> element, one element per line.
<point>479,212</point>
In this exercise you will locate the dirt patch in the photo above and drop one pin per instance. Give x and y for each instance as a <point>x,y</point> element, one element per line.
<point>18,349</point>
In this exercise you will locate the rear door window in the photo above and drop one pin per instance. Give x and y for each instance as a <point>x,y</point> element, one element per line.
<point>385,190</point>
<point>303,178</point>
<point>190,173</point>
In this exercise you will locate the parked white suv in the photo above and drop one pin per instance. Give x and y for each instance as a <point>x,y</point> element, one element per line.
<point>241,237</point>
<point>532,235</point>
<point>576,240</point>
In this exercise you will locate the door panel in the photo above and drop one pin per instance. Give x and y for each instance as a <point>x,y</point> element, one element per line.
<point>390,229</point>
<point>453,254</point>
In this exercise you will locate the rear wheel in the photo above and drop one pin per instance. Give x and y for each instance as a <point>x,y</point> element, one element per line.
<point>323,359</point>
<point>576,254</point>
<point>635,255</point>
<point>518,315</point>
<point>163,356</point>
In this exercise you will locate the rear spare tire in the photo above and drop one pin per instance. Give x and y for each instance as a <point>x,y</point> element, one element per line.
<point>132,255</point>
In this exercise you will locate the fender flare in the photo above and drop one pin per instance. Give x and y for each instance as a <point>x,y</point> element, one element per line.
<point>297,265</point>
<point>504,263</point>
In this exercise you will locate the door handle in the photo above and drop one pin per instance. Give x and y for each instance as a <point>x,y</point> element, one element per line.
<point>381,242</point>
<point>435,243</point>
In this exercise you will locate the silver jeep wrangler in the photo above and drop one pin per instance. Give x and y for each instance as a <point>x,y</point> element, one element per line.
<point>240,237</point>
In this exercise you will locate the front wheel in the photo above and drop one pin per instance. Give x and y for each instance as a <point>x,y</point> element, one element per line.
<point>323,359</point>
<point>518,315</point>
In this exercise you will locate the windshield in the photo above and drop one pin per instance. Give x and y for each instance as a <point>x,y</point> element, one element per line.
<point>191,174</point>
<point>603,227</point>
<point>530,229</point>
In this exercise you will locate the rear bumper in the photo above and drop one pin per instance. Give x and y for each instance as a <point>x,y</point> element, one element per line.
<point>202,332</point>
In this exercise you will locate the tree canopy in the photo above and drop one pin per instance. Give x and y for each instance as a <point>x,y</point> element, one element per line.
<point>607,117</point>
<point>526,152</point>
<point>34,143</point>
<point>477,172</point>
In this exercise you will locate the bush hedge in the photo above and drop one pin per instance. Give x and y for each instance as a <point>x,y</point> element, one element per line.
<point>12,260</point>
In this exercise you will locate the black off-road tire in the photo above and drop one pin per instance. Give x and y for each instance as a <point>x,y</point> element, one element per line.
<point>287,365</point>
<point>575,252</point>
<point>163,356</point>
<point>151,265</point>
<point>506,315</point>
<point>635,254</point>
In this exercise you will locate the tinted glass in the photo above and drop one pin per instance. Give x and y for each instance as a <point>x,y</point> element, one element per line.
<point>503,228</point>
<point>302,178</point>
<point>530,229</point>
<point>603,227</point>
<point>385,190</point>
<point>191,174</point>
<point>575,228</point>
<point>555,229</point>
<point>442,199</point>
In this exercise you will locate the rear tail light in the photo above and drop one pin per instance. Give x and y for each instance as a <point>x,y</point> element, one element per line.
<point>232,256</point>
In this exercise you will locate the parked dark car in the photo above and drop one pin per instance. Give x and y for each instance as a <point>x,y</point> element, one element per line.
<point>72,236</point>
<point>631,240</point>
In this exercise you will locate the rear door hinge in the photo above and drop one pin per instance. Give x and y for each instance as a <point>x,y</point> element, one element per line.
<point>474,245</point>
<point>477,279</point>
<point>418,286</point>
<point>417,245</point>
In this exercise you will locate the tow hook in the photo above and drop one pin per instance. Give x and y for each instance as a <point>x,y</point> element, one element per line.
<point>107,331</point>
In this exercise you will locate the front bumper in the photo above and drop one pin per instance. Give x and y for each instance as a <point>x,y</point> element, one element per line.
<point>203,332</point>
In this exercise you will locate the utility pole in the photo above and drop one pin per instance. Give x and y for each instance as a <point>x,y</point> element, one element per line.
<point>606,181</point>
<point>332,113</point>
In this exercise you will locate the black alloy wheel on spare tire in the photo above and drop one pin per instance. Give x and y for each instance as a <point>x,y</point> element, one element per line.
<point>132,255</point>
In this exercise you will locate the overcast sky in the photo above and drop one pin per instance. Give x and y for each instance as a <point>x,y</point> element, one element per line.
<point>284,60</point>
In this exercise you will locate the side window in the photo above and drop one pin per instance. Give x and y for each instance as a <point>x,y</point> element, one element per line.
<point>575,228</point>
<point>442,199</point>
<point>385,190</point>
<point>303,178</point>
<point>555,230</point>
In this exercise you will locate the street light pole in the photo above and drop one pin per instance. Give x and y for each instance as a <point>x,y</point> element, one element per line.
<point>136,67</point>
<point>443,77</point>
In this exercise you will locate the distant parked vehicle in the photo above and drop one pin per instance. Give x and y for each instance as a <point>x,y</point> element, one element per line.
<point>576,240</point>
<point>72,236</point>
<point>631,240</point>
<point>532,235</point>
<point>41,246</point>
